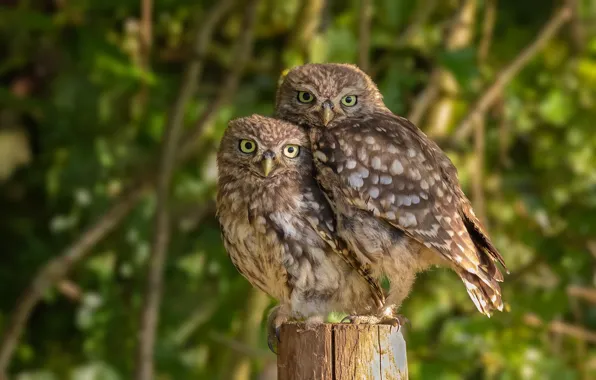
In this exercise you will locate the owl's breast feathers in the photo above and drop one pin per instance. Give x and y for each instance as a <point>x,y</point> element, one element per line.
<point>385,165</point>
<point>274,235</point>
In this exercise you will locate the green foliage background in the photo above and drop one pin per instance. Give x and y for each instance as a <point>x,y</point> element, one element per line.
<point>82,113</point>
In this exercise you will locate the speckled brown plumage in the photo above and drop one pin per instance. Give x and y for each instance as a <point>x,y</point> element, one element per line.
<point>395,194</point>
<point>278,227</point>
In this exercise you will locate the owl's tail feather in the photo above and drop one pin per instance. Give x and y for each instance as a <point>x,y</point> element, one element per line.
<point>485,294</point>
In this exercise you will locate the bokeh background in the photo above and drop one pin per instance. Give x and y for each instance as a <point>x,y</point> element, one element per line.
<point>92,92</point>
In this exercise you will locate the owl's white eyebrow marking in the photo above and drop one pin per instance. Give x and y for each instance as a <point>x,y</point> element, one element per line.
<point>349,91</point>
<point>396,167</point>
<point>305,87</point>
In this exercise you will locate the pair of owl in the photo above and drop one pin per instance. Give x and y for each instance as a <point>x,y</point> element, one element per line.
<point>337,192</point>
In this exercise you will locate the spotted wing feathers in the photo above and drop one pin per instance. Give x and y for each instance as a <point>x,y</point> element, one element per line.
<point>386,166</point>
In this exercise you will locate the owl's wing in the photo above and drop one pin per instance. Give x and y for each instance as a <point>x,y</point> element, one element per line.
<point>319,215</point>
<point>385,165</point>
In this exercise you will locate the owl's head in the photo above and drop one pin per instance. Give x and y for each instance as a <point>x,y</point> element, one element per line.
<point>262,148</point>
<point>316,94</point>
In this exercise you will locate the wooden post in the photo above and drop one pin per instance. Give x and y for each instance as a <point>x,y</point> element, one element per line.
<point>341,352</point>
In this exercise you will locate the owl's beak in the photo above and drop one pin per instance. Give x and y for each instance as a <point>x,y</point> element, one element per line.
<point>328,113</point>
<point>267,162</point>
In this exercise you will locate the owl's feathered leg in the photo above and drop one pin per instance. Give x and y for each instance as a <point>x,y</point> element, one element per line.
<point>277,316</point>
<point>402,278</point>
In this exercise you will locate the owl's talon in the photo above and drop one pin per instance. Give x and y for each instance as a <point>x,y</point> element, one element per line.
<point>273,338</point>
<point>272,344</point>
<point>395,321</point>
<point>361,319</point>
<point>277,317</point>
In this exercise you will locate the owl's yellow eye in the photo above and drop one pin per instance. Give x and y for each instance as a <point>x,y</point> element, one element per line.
<point>291,151</point>
<point>305,97</point>
<point>247,146</point>
<point>349,100</point>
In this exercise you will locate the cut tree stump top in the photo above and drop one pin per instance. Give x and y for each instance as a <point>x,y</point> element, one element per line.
<point>341,352</point>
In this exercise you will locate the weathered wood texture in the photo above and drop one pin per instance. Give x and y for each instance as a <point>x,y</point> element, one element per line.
<point>341,352</point>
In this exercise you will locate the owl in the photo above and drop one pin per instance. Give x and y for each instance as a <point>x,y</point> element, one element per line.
<point>278,228</point>
<point>396,196</point>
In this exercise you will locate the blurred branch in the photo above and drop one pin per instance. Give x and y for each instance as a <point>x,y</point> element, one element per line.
<point>440,80</point>
<point>432,90</point>
<point>239,347</point>
<point>145,41</point>
<point>480,122</point>
<point>504,132</point>
<point>193,215</point>
<point>308,21</point>
<point>559,327</point>
<point>145,32</point>
<point>588,294</point>
<point>523,270</point>
<point>424,10</point>
<point>202,314</point>
<point>161,234</point>
<point>459,37</point>
<point>240,58</point>
<point>424,99</point>
<point>488,24</point>
<point>70,290</point>
<point>492,93</point>
<point>576,28</point>
<point>58,267</point>
<point>154,290</point>
<point>364,29</point>
<point>478,171</point>
<point>591,245</point>
<point>253,314</point>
